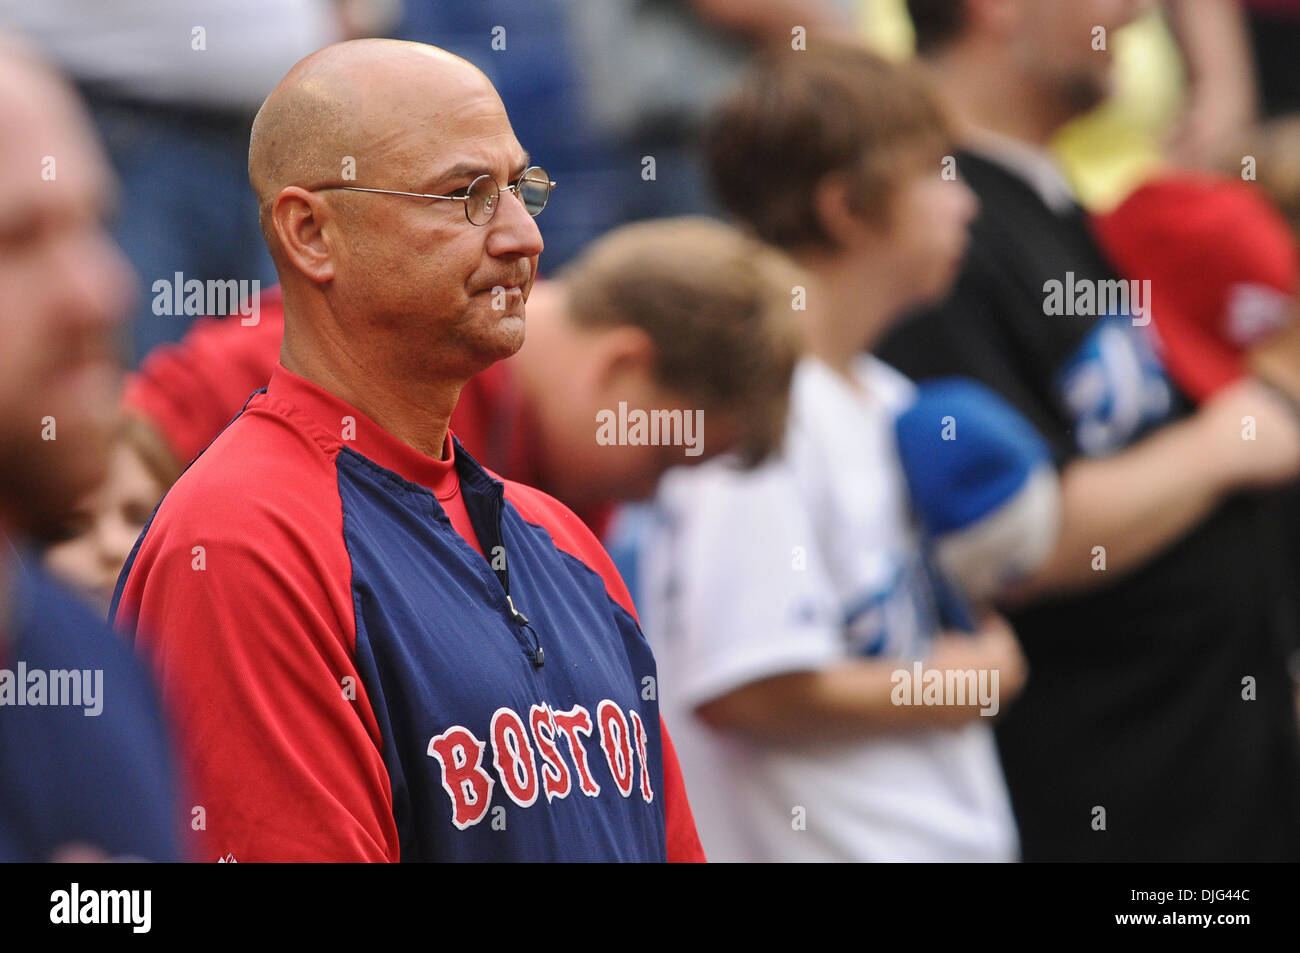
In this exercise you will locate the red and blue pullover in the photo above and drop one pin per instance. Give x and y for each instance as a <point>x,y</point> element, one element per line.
<point>374,655</point>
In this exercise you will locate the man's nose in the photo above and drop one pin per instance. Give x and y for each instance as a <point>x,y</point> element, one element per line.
<point>513,232</point>
<point>94,280</point>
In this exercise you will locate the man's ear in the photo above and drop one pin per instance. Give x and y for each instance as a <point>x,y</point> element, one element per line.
<point>299,218</point>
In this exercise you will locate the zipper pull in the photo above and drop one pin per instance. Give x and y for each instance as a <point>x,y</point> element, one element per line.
<point>515,613</point>
<point>539,655</point>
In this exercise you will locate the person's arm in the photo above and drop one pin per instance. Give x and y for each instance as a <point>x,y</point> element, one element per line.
<point>854,697</point>
<point>1135,502</point>
<point>250,639</point>
<point>1139,501</point>
<point>750,628</point>
<point>1221,102</point>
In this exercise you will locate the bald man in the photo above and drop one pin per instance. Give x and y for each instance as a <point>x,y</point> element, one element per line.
<point>377,649</point>
<point>85,766</point>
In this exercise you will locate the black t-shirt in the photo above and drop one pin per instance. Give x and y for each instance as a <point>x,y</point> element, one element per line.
<point>1134,702</point>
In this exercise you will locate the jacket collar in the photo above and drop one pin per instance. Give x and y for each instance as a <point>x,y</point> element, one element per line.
<point>336,424</point>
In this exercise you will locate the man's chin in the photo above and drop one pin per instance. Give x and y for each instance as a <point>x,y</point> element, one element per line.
<point>511,347</point>
<point>505,341</point>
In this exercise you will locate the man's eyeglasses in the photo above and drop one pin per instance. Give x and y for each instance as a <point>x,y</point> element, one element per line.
<point>483,195</point>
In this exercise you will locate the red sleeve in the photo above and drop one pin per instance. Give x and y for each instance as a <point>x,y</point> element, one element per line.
<point>684,845</point>
<point>252,637</point>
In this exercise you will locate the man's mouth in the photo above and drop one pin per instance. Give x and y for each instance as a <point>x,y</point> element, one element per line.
<point>517,281</point>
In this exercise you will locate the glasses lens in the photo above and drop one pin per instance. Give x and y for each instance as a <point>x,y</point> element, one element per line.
<point>534,189</point>
<point>481,200</point>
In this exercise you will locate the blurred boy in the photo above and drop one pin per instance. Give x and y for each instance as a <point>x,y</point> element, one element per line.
<point>790,606</point>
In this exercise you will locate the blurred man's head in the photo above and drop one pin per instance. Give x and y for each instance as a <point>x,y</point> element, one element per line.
<point>681,315</point>
<point>834,154</point>
<point>410,286</point>
<point>1059,48</point>
<point>64,290</point>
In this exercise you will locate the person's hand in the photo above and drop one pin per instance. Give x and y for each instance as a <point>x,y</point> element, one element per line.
<point>993,647</point>
<point>1275,357</point>
<point>1251,435</point>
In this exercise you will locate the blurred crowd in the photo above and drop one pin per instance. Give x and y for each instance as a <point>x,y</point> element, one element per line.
<point>989,311</point>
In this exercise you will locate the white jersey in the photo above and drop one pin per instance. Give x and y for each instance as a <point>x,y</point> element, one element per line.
<point>807,560</point>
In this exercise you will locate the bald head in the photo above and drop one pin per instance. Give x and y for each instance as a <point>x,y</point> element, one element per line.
<point>392,291</point>
<point>343,113</point>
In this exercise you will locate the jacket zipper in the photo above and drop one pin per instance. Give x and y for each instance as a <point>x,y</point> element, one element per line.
<point>538,655</point>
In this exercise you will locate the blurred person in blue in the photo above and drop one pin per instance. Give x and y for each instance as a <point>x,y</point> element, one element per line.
<point>85,762</point>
